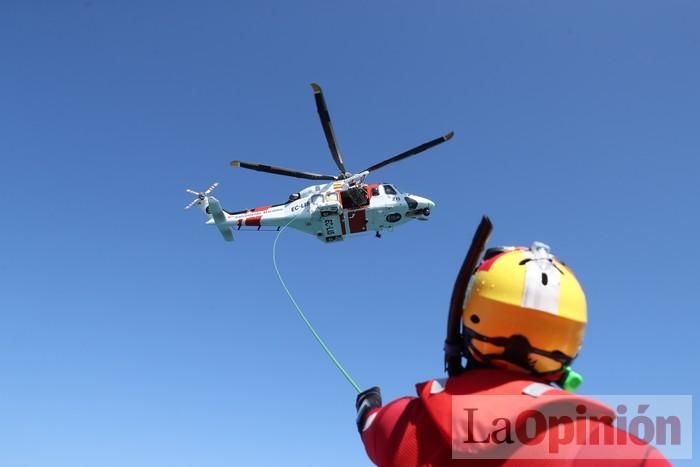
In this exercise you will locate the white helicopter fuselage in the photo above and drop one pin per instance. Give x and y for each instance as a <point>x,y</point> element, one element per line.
<point>345,205</point>
<point>331,211</point>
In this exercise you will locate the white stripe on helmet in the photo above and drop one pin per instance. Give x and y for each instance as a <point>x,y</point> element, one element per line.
<point>542,280</point>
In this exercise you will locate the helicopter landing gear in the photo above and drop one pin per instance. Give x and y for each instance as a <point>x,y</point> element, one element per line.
<point>378,235</point>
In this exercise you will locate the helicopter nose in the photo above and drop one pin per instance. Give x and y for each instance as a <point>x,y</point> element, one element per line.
<point>424,204</point>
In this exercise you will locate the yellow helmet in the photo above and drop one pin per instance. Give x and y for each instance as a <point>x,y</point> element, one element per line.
<point>524,310</point>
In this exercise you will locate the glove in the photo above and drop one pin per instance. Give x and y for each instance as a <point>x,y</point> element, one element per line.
<point>365,402</point>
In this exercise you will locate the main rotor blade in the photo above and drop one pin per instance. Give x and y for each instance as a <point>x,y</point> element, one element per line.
<point>282,171</point>
<point>411,152</point>
<point>327,127</point>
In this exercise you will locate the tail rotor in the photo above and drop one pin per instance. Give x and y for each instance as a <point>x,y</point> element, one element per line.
<point>200,195</point>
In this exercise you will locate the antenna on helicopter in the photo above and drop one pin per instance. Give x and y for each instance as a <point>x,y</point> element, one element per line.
<point>200,195</point>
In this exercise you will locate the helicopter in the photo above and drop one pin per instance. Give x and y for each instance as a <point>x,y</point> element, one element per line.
<point>345,205</point>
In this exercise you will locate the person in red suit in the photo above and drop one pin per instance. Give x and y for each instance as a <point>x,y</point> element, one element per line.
<point>517,317</point>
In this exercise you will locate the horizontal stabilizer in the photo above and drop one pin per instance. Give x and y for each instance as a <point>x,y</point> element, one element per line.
<point>217,213</point>
<point>226,232</point>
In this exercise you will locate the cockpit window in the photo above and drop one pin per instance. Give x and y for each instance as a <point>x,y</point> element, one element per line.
<point>389,190</point>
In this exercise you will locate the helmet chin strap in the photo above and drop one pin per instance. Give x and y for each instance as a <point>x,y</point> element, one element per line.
<point>516,351</point>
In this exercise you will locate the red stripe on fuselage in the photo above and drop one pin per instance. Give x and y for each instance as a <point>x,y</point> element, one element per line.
<point>253,220</point>
<point>358,221</point>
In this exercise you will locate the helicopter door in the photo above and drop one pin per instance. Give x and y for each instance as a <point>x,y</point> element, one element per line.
<point>357,220</point>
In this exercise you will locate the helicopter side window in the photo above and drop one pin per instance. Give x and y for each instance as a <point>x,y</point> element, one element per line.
<point>389,190</point>
<point>375,191</point>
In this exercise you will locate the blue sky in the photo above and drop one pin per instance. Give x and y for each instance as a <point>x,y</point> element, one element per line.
<point>130,334</point>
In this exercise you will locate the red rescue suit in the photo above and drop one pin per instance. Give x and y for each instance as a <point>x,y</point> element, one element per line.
<point>417,431</point>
